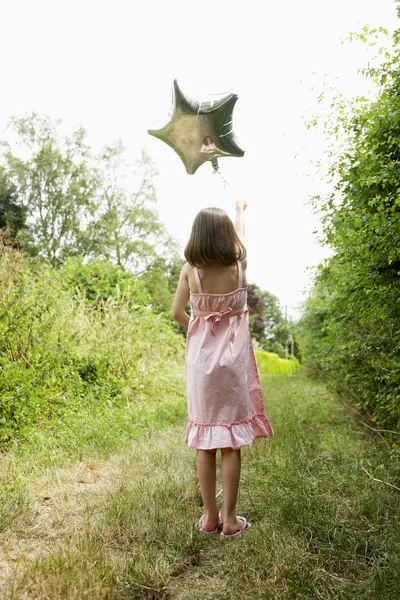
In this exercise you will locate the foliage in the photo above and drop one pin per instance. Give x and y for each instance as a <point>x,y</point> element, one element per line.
<point>99,280</point>
<point>267,324</point>
<point>350,322</point>
<point>298,350</point>
<point>256,310</point>
<point>55,185</point>
<point>161,280</point>
<point>12,214</point>
<point>126,229</point>
<point>269,362</point>
<point>62,349</point>
<point>64,201</point>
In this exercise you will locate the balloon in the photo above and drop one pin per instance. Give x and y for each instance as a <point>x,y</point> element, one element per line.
<point>200,132</point>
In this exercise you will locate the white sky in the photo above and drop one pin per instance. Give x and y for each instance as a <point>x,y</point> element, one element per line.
<point>109,65</point>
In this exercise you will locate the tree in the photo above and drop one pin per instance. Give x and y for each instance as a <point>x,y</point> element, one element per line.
<point>126,229</point>
<point>278,330</point>
<point>161,280</point>
<point>55,185</point>
<point>74,203</point>
<point>156,281</point>
<point>267,324</point>
<point>12,214</point>
<point>256,310</point>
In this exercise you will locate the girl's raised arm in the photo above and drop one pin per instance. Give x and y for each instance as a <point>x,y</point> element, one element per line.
<point>239,222</point>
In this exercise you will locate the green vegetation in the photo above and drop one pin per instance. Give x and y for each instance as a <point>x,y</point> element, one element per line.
<point>76,339</point>
<point>268,326</point>
<point>116,517</point>
<point>269,362</point>
<point>60,200</point>
<point>99,495</point>
<point>350,327</point>
<point>87,278</point>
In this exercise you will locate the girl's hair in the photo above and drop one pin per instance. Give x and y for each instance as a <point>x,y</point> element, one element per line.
<point>213,239</point>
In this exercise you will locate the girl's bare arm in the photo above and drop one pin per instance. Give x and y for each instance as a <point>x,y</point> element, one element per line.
<point>239,222</point>
<point>181,299</point>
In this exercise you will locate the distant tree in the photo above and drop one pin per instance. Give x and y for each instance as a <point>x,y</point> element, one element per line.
<point>156,278</point>
<point>126,229</point>
<point>67,202</point>
<point>267,324</point>
<point>256,310</point>
<point>278,330</point>
<point>12,214</point>
<point>55,185</point>
<point>161,280</point>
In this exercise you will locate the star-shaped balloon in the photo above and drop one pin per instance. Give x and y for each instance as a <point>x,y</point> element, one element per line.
<point>200,132</point>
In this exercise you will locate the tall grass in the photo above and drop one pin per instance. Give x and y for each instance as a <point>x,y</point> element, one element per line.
<point>61,353</point>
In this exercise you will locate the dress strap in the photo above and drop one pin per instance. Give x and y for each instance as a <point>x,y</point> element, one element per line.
<point>196,275</point>
<point>239,264</point>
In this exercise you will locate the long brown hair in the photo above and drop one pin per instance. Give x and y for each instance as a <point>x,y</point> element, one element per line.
<point>213,239</point>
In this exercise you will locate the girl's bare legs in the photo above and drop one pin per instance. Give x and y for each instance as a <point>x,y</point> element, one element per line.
<point>230,471</point>
<point>206,469</point>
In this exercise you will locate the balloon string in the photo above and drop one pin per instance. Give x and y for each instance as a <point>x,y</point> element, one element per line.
<point>216,171</point>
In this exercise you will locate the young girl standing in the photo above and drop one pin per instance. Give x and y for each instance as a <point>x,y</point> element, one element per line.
<point>225,401</point>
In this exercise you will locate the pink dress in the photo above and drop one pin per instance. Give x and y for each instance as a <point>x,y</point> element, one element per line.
<point>225,400</point>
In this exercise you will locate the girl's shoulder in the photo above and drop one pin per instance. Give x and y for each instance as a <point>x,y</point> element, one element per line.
<point>187,267</point>
<point>243,262</point>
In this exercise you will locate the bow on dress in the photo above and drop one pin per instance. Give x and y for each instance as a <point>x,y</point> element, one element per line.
<point>214,317</point>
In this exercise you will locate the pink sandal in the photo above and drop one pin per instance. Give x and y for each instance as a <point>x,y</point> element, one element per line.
<point>246,526</point>
<point>212,530</point>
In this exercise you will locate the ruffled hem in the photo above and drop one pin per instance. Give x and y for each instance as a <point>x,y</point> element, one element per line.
<point>234,435</point>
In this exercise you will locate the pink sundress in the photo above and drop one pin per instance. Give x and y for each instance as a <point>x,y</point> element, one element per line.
<point>225,400</point>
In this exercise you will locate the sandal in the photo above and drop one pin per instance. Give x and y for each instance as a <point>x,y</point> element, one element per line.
<point>212,530</point>
<point>246,525</point>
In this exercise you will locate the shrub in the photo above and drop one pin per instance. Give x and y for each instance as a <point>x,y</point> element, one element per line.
<point>61,346</point>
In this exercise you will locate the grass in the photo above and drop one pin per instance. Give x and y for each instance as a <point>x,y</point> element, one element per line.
<point>107,506</point>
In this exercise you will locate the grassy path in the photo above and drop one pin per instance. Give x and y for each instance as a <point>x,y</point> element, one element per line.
<point>82,517</point>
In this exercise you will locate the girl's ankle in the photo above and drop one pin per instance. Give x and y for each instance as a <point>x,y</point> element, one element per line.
<point>211,514</point>
<point>228,518</point>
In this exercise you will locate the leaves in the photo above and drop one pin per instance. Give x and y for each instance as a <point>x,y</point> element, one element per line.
<point>54,183</point>
<point>79,335</point>
<point>350,321</point>
<point>69,202</point>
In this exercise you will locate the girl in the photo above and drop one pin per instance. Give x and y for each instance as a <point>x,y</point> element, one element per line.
<point>225,401</point>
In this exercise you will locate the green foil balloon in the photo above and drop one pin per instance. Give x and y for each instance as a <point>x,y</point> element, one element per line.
<point>200,132</point>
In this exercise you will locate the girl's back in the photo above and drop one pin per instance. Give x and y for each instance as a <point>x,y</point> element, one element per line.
<point>216,279</point>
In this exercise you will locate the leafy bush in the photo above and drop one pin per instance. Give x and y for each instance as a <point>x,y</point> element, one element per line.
<point>79,335</point>
<point>100,280</point>
<point>350,325</point>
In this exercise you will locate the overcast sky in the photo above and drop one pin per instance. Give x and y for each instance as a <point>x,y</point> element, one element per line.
<point>110,65</point>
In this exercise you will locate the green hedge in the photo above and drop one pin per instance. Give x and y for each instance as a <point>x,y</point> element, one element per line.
<point>269,362</point>
<point>350,326</point>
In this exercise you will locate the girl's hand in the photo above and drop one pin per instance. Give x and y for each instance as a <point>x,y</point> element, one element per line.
<point>241,204</point>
